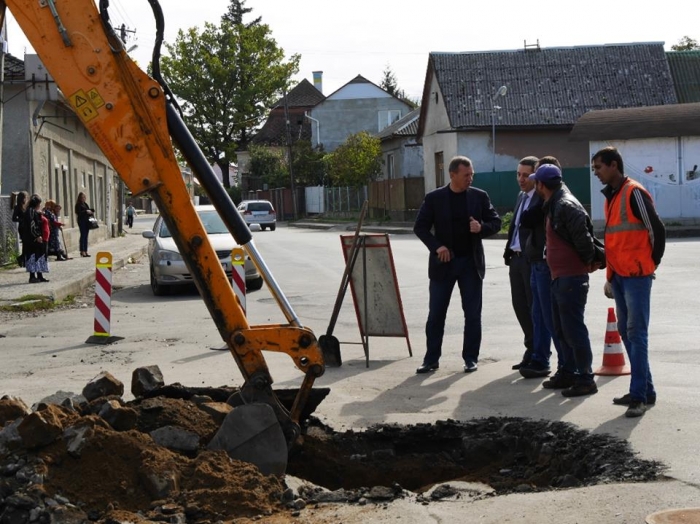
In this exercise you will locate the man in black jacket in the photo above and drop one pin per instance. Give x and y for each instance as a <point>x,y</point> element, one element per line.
<point>460,216</point>
<point>571,256</point>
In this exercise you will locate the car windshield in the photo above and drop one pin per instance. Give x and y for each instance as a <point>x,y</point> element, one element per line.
<point>213,224</point>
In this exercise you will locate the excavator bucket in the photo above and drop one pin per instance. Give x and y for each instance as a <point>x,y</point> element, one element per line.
<point>330,347</point>
<point>251,433</point>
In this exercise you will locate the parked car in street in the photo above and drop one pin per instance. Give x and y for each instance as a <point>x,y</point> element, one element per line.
<point>167,268</point>
<point>259,212</point>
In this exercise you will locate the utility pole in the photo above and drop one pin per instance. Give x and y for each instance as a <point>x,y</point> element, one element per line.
<point>122,188</point>
<point>288,131</point>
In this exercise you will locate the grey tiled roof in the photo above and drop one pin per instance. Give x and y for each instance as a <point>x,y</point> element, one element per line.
<point>639,122</point>
<point>404,126</point>
<point>304,94</point>
<point>550,86</point>
<point>685,69</point>
<point>14,68</point>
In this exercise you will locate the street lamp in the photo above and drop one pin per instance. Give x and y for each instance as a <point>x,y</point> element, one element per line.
<point>500,93</point>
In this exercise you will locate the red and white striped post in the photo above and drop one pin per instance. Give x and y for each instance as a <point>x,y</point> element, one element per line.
<point>103,300</point>
<point>238,275</point>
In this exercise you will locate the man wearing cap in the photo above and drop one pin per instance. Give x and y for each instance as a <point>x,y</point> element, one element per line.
<point>635,240</point>
<point>571,256</point>
<point>451,222</point>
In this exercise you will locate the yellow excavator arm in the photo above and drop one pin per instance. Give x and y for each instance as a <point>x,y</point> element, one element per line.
<point>135,121</point>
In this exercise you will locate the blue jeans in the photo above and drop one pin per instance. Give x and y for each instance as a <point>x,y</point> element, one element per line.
<point>633,303</point>
<point>569,296</point>
<point>462,272</point>
<point>542,321</point>
<point>84,232</point>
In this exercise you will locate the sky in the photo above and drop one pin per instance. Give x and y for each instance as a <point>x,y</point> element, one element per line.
<point>344,39</point>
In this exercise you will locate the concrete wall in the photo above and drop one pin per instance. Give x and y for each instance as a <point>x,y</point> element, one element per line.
<point>669,168</point>
<point>340,118</point>
<point>408,157</point>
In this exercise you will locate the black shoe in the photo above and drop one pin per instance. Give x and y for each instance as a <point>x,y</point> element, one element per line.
<point>534,370</point>
<point>470,367</point>
<point>626,400</point>
<point>559,381</point>
<point>580,390</point>
<point>427,368</point>
<point>42,279</point>
<point>33,280</point>
<point>519,365</point>
<point>635,409</point>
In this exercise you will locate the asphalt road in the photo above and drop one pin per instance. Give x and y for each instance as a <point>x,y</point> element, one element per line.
<point>47,352</point>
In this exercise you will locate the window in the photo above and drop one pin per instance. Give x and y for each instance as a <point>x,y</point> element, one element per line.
<point>390,166</point>
<point>388,117</point>
<point>439,169</point>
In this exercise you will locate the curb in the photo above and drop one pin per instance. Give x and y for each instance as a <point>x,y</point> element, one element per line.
<point>77,286</point>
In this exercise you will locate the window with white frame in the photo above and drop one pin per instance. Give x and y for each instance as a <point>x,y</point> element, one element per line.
<point>388,117</point>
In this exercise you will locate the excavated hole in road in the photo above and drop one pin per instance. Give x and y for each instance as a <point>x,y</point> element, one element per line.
<point>508,454</point>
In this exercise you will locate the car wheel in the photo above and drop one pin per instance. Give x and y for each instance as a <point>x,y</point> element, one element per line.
<point>273,227</point>
<point>254,285</point>
<point>263,228</point>
<point>159,290</point>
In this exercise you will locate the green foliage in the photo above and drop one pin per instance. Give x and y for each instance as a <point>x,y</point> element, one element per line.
<point>686,44</point>
<point>225,78</point>
<point>391,86</point>
<point>505,222</point>
<point>235,13</point>
<point>268,165</point>
<point>8,250</point>
<point>356,161</point>
<point>307,164</point>
<point>235,194</point>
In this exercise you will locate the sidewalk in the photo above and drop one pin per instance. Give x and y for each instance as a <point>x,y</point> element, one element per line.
<point>71,277</point>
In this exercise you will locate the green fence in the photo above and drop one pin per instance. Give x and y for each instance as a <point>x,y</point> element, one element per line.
<point>502,186</point>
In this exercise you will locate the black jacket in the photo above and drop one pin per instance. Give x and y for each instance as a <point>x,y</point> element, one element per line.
<point>434,226</point>
<point>571,222</point>
<point>529,228</point>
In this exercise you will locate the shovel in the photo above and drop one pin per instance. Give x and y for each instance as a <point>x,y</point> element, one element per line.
<point>330,347</point>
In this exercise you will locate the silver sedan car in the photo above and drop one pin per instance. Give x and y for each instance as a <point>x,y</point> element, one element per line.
<point>167,268</point>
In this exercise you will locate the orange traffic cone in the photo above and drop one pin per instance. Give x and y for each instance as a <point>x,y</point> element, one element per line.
<point>613,354</point>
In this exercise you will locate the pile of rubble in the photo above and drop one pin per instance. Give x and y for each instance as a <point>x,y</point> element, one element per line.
<point>96,457</point>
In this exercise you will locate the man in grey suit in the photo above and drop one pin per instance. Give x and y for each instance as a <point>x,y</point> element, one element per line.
<point>515,255</point>
<point>451,223</point>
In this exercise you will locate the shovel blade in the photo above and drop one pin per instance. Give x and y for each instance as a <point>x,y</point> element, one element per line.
<point>330,347</point>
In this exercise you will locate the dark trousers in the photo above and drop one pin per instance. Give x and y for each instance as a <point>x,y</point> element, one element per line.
<point>130,221</point>
<point>521,297</point>
<point>464,274</point>
<point>84,232</point>
<point>569,297</point>
<point>542,322</point>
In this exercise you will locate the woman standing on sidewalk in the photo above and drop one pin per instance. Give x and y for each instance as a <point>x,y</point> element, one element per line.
<point>84,212</point>
<point>36,239</point>
<point>18,217</point>
<point>52,210</point>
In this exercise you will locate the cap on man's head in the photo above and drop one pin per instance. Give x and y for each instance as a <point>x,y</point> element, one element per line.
<point>546,173</point>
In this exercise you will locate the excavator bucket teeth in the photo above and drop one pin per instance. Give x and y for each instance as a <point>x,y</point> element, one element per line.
<point>330,347</point>
<point>251,433</point>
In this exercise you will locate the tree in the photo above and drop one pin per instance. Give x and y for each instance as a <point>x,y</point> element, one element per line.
<point>236,11</point>
<point>269,165</point>
<point>389,82</point>
<point>391,86</point>
<point>225,79</point>
<point>308,166</point>
<point>356,161</point>
<point>686,44</point>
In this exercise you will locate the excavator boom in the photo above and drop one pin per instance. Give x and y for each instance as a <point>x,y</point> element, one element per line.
<point>135,121</point>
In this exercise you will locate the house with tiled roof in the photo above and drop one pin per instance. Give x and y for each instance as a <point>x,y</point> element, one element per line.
<point>464,110</point>
<point>359,105</point>
<point>402,155</point>
<point>273,134</point>
<point>685,70</point>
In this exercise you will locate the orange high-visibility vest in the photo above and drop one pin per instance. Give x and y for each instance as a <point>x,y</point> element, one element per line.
<point>627,244</point>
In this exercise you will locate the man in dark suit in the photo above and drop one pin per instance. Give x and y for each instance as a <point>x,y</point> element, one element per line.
<point>516,259</point>
<point>451,222</point>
